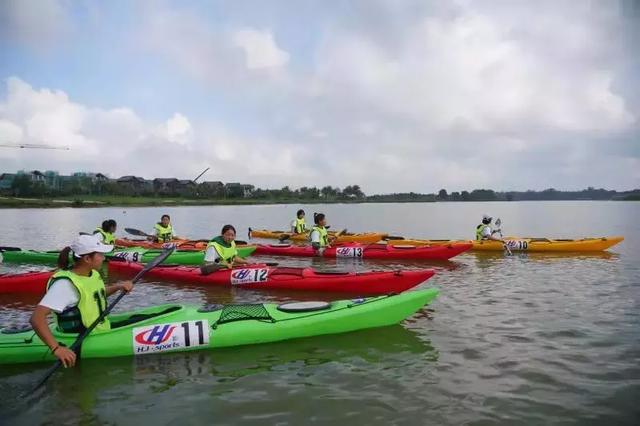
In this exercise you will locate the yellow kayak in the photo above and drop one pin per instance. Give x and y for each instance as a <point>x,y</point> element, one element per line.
<point>368,238</point>
<point>527,244</point>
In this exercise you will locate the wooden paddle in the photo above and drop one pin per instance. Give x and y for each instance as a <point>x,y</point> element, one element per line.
<point>76,345</point>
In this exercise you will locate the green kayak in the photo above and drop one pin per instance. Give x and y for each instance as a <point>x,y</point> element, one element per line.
<point>177,328</point>
<point>134,254</point>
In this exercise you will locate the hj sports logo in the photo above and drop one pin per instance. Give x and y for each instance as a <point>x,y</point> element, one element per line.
<point>156,336</point>
<point>240,274</point>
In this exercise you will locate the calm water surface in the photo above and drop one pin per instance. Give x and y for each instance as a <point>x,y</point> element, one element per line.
<point>526,339</point>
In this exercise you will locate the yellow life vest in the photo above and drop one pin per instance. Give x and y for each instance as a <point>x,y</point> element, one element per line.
<point>164,235</point>
<point>324,235</point>
<point>107,237</point>
<point>92,302</point>
<point>227,254</point>
<point>300,226</point>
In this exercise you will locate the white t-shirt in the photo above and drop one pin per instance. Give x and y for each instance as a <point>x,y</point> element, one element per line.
<point>211,255</point>
<point>293,225</point>
<point>486,232</point>
<point>61,295</point>
<point>315,236</point>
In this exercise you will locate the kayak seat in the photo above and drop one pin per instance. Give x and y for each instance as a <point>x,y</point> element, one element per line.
<point>298,272</point>
<point>231,313</point>
<point>141,317</point>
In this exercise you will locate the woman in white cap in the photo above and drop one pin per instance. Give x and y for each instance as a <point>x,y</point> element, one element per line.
<point>77,295</point>
<point>484,232</point>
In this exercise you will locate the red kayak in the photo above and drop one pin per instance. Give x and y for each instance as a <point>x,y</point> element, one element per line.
<point>265,277</point>
<point>370,251</point>
<point>27,282</point>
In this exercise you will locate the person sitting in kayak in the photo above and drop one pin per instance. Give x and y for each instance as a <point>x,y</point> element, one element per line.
<point>105,233</point>
<point>222,252</point>
<point>319,237</point>
<point>298,226</point>
<point>484,231</point>
<point>164,231</point>
<point>77,295</point>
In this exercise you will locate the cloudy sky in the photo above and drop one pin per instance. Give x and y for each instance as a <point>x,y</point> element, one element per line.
<point>392,95</point>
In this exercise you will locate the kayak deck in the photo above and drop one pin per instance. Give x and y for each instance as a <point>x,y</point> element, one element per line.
<point>347,237</point>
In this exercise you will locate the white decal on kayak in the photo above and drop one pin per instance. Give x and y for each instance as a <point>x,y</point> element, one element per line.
<point>170,337</point>
<point>517,244</point>
<point>131,256</point>
<point>349,252</point>
<point>254,275</point>
<point>169,245</point>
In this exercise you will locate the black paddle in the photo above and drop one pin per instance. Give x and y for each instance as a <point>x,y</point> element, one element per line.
<point>4,248</point>
<point>137,232</point>
<point>76,345</point>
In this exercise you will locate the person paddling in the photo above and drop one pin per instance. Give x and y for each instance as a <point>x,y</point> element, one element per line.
<point>319,237</point>
<point>163,231</point>
<point>299,226</point>
<point>484,231</point>
<point>106,232</point>
<point>221,252</point>
<point>76,294</point>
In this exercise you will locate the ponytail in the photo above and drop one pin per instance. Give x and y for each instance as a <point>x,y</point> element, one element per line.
<point>317,217</point>
<point>63,258</point>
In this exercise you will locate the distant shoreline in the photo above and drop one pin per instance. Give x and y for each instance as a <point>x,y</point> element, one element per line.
<point>116,201</point>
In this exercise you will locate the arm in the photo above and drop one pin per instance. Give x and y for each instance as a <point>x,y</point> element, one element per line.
<point>125,286</point>
<point>41,327</point>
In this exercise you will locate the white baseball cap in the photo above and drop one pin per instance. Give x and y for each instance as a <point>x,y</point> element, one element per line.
<point>486,217</point>
<point>86,244</point>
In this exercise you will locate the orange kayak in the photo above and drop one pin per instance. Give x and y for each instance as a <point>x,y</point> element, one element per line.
<point>182,244</point>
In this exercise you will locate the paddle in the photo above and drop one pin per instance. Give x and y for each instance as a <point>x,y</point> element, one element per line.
<point>499,231</point>
<point>137,232</point>
<point>76,345</point>
<point>4,248</point>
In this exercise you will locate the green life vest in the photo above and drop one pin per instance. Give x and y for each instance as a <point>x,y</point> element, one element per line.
<point>324,235</point>
<point>479,229</point>
<point>93,301</point>
<point>163,234</point>
<point>107,237</point>
<point>301,226</point>
<point>227,252</point>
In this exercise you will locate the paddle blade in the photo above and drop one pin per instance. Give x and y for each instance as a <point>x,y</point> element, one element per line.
<point>136,232</point>
<point>284,237</point>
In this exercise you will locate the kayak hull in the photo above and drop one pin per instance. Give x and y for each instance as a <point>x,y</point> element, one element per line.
<point>372,251</point>
<point>181,244</point>
<point>262,277</point>
<point>179,328</point>
<point>529,244</point>
<point>365,238</point>
<point>138,254</point>
<point>27,282</point>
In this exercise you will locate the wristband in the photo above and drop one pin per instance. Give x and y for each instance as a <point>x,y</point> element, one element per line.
<point>53,351</point>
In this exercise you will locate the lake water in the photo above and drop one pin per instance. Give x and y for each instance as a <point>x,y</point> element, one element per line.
<point>525,339</point>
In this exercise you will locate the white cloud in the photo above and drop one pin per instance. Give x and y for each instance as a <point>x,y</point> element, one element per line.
<point>119,142</point>
<point>260,49</point>
<point>179,129</point>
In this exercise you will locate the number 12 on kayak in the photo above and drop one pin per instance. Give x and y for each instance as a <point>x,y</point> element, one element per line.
<point>169,337</point>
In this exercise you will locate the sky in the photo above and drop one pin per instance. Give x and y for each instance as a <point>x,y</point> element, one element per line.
<point>395,96</point>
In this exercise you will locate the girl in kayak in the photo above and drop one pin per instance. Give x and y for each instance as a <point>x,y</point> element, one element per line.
<point>484,231</point>
<point>106,232</point>
<point>221,252</point>
<point>164,231</point>
<point>298,226</point>
<point>319,236</point>
<point>77,295</point>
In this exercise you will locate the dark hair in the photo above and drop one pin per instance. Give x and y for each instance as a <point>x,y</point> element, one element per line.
<point>107,225</point>
<point>226,228</point>
<point>486,221</point>
<point>165,215</point>
<point>300,212</point>
<point>63,258</point>
<point>317,217</point>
